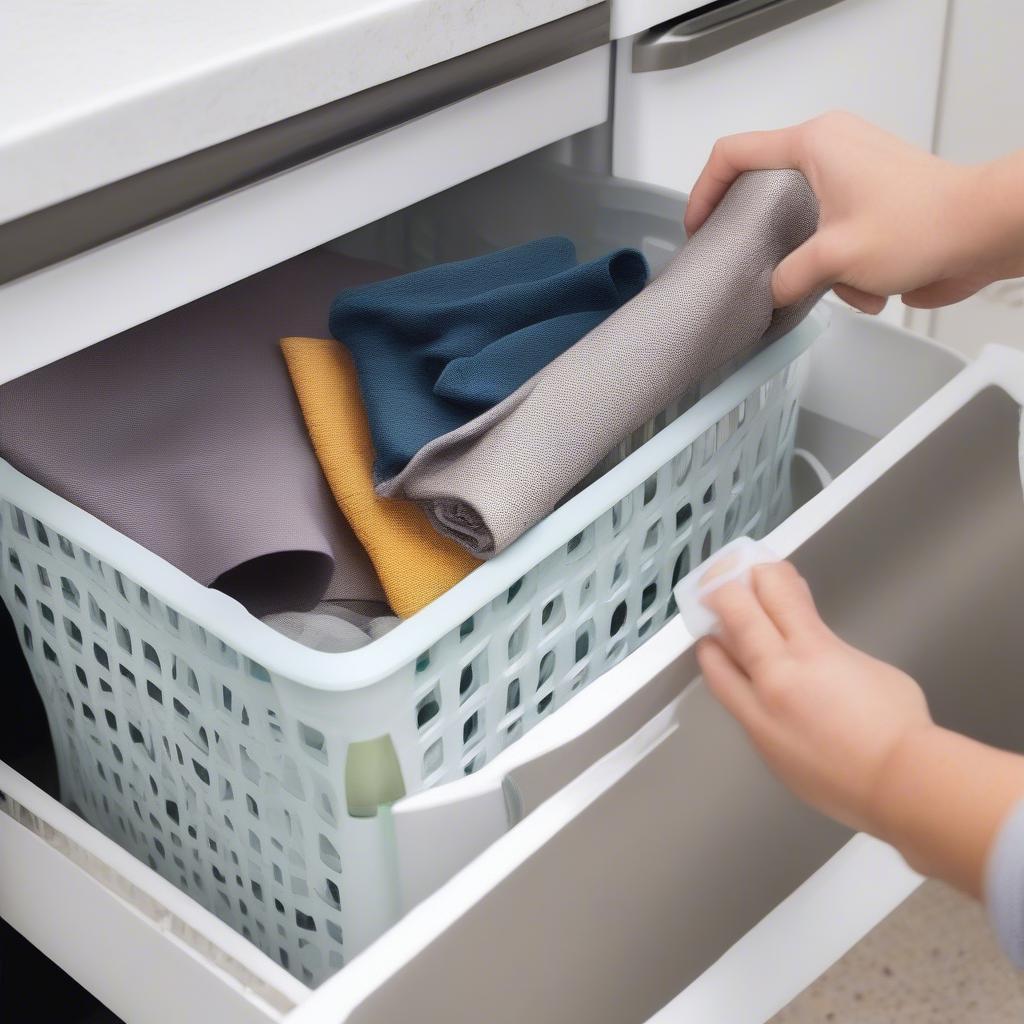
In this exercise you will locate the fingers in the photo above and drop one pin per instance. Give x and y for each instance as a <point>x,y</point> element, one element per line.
<point>786,598</point>
<point>747,632</point>
<point>730,157</point>
<point>815,264</point>
<point>727,682</point>
<point>864,301</point>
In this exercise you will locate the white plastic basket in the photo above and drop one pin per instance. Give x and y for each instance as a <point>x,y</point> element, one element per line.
<point>241,766</point>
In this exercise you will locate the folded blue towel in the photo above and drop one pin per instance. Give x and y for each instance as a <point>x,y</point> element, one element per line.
<point>436,347</point>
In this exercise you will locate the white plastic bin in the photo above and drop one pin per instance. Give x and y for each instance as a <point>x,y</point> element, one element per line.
<point>257,774</point>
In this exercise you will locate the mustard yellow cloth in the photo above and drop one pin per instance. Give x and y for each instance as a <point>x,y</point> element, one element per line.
<point>414,562</point>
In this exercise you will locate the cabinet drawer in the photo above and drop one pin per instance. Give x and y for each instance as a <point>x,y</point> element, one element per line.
<point>676,861</point>
<point>170,262</point>
<point>591,888</point>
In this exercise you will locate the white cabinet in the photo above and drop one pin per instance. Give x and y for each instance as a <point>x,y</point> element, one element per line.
<point>878,58</point>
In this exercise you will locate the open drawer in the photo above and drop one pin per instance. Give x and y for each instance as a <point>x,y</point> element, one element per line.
<point>568,903</point>
<point>661,868</point>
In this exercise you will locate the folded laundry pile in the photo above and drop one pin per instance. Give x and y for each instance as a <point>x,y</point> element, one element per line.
<point>436,347</point>
<point>414,562</point>
<point>185,435</point>
<point>489,480</point>
<point>335,486</point>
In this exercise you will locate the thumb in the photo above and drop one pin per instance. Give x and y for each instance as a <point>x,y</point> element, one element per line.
<point>807,268</point>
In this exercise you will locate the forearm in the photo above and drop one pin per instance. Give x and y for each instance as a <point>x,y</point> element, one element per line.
<point>992,216</point>
<point>941,801</point>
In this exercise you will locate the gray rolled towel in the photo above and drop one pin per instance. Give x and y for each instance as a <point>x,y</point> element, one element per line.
<point>489,481</point>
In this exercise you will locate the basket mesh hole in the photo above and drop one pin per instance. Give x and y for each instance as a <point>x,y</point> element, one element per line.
<point>574,543</point>
<point>123,637</point>
<point>547,669</point>
<point>20,525</point>
<point>19,596</point>
<point>681,466</point>
<point>652,537</point>
<point>96,613</point>
<point>512,696</point>
<point>70,592</point>
<point>423,662</point>
<point>544,703</point>
<point>472,677</point>
<point>433,758</point>
<point>684,514</point>
<point>648,596</point>
<point>12,557</point>
<point>583,640</point>
<point>708,443</point>
<point>330,893</point>
<point>46,612</point>
<point>682,566</point>
<point>553,614</point>
<point>517,640</point>
<point>705,548</point>
<point>149,653</point>
<point>709,495</point>
<point>513,591</point>
<point>41,533</point>
<point>619,571</point>
<point>50,654</point>
<point>428,708</point>
<point>466,628</point>
<point>44,576</point>
<point>330,858</point>
<point>618,618</point>
<point>650,489</point>
<point>314,742</point>
<point>471,728</point>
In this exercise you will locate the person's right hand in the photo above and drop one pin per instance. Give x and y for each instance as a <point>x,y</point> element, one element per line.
<point>895,220</point>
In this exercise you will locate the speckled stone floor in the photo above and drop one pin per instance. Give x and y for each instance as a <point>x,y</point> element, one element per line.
<point>932,961</point>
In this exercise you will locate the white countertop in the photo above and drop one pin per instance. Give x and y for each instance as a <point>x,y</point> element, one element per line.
<point>94,90</point>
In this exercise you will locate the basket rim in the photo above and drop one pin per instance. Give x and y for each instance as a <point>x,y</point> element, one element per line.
<point>354,670</point>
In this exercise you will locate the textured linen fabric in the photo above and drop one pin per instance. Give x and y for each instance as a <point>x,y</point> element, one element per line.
<point>414,563</point>
<point>1004,886</point>
<point>436,347</point>
<point>487,482</point>
<point>185,435</point>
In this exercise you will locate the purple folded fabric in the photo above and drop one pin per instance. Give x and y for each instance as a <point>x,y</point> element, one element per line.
<point>185,434</point>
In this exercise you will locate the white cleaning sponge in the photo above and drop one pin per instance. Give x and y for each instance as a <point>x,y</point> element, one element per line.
<point>733,562</point>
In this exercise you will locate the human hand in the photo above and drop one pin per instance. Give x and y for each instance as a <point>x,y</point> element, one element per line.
<point>894,219</point>
<point>826,717</point>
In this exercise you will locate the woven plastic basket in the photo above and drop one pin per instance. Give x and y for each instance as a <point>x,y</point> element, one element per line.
<point>256,774</point>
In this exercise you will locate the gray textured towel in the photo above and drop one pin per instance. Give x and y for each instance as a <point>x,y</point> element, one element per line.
<point>185,434</point>
<point>491,480</point>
